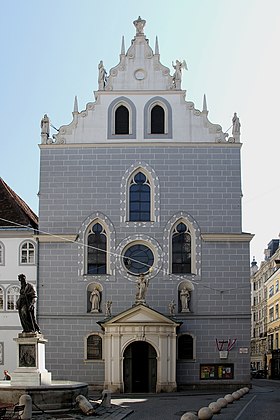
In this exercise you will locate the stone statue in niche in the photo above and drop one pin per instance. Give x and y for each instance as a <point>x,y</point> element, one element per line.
<point>102,76</point>
<point>95,300</point>
<point>172,307</point>
<point>26,306</point>
<point>185,297</point>
<point>235,125</point>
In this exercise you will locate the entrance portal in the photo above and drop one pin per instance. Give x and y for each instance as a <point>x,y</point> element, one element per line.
<point>140,367</point>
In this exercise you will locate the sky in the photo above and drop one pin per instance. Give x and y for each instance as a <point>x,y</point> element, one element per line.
<point>51,49</point>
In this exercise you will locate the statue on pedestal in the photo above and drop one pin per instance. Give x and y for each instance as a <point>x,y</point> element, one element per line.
<point>26,306</point>
<point>142,286</point>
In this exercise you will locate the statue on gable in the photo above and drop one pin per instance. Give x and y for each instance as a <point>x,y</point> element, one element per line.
<point>139,25</point>
<point>102,76</point>
<point>45,128</point>
<point>235,125</point>
<point>177,76</point>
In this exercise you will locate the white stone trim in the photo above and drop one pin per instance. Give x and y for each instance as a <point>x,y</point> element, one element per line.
<point>154,189</point>
<point>195,247</point>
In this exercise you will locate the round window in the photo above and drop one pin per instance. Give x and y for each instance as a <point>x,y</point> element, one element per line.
<point>138,259</point>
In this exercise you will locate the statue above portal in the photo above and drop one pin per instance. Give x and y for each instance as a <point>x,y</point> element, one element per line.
<point>139,25</point>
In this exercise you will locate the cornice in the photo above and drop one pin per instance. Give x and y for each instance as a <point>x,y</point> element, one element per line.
<point>55,238</point>
<point>227,237</point>
<point>142,143</point>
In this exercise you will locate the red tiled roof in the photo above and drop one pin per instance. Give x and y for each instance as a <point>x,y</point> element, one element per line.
<point>14,210</point>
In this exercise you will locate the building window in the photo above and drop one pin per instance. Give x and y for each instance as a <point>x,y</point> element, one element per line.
<point>27,253</point>
<point>139,198</point>
<point>181,249</point>
<point>271,291</point>
<point>277,311</point>
<point>157,120</point>
<point>94,347</point>
<point>12,297</point>
<point>277,286</point>
<point>270,342</point>
<point>185,347</point>
<point>138,259</point>
<point>122,120</point>
<point>271,314</point>
<point>97,250</point>
<point>1,254</point>
<point>1,299</point>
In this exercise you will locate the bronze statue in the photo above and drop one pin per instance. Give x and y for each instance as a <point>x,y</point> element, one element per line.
<point>25,305</point>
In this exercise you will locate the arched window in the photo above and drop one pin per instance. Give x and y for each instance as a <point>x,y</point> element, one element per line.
<point>2,261</point>
<point>157,120</point>
<point>122,120</point>
<point>139,198</point>
<point>1,299</point>
<point>12,297</point>
<point>185,347</point>
<point>181,249</point>
<point>94,347</point>
<point>27,253</point>
<point>97,250</point>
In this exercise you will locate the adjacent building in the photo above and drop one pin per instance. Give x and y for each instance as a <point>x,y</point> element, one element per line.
<point>143,266</point>
<point>265,311</point>
<point>18,254</point>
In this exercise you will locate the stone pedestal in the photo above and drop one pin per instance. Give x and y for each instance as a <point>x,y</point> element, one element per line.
<point>30,361</point>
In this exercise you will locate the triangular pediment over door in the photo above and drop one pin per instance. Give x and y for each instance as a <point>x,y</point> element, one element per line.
<point>140,323</point>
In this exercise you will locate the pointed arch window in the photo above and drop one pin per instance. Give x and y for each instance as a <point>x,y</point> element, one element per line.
<point>122,120</point>
<point>181,249</point>
<point>157,120</point>
<point>140,198</point>
<point>12,297</point>
<point>97,250</point>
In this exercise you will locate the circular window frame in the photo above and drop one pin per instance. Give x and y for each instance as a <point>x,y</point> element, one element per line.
<point>148,269</point>
<point>150,243</point>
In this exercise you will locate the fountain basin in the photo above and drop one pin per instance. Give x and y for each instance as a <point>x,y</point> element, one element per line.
<point>56,396</point>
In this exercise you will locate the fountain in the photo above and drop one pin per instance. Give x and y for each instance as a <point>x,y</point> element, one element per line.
<point>31,377</point>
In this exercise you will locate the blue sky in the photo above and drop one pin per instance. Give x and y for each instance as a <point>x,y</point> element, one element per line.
<point>50,51</point>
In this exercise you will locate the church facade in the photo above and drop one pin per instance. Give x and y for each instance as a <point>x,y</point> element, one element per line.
<point>143,265</point>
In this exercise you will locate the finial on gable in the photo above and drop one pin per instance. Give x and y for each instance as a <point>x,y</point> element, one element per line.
<point>122,47</point>
<point>204,109</point>
<point>75,110</point>
<point>156,46</point>
<point>139,25</point>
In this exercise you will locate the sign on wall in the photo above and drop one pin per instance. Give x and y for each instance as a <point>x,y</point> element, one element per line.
<point>217,371</point>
